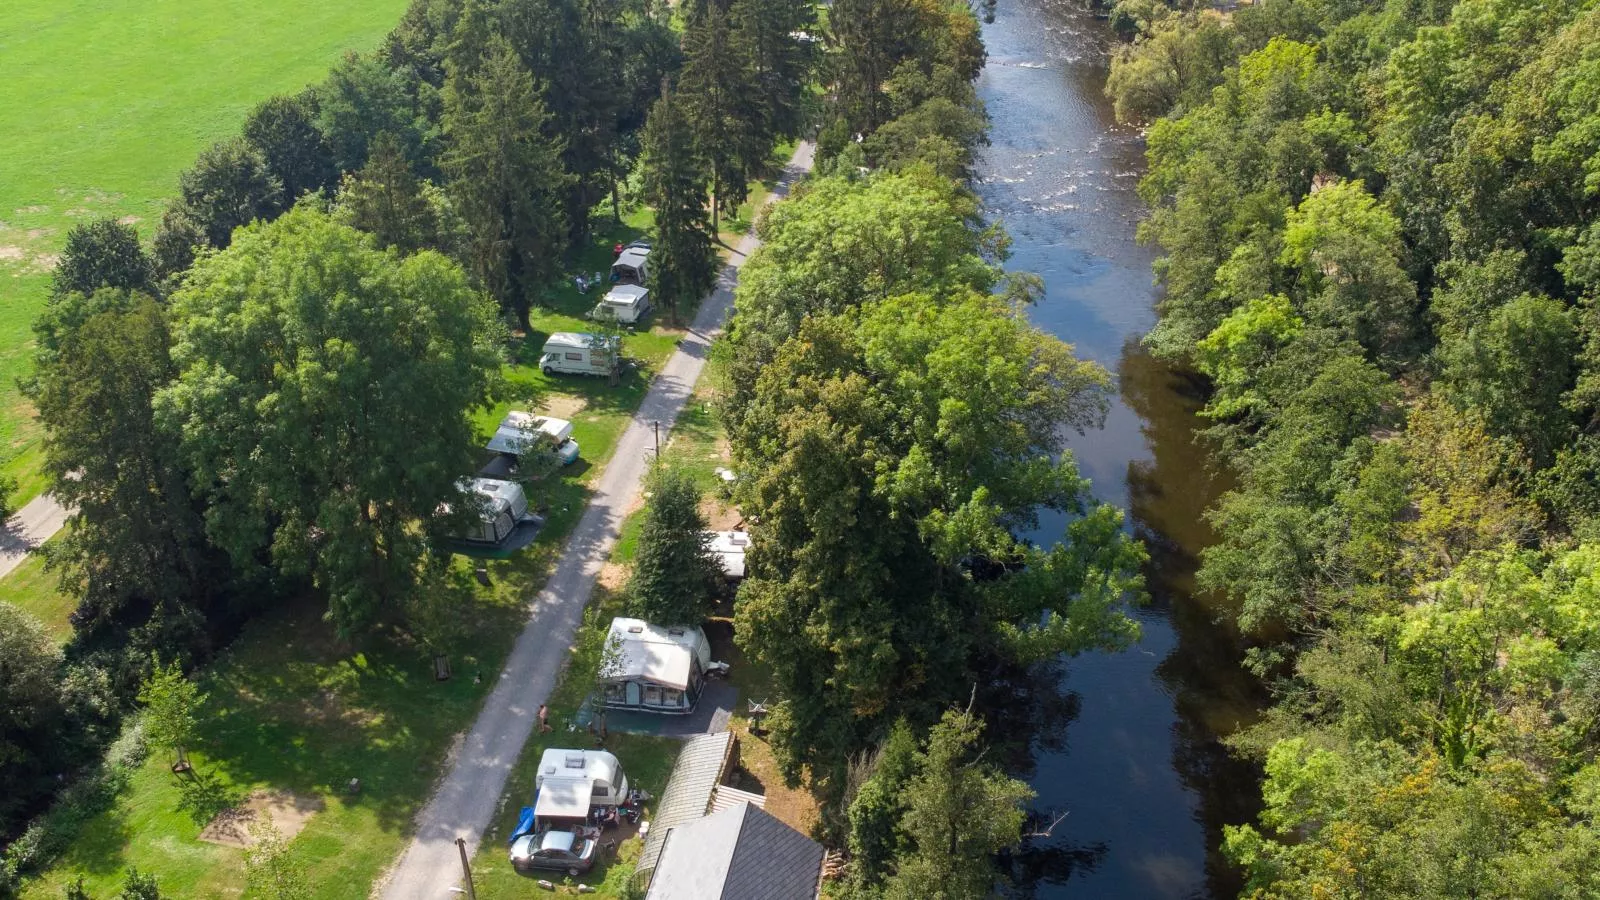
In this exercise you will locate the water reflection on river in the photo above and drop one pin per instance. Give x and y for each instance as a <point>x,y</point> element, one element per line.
<point>1125,743</point>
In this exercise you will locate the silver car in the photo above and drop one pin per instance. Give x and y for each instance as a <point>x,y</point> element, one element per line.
<point>561,851</point>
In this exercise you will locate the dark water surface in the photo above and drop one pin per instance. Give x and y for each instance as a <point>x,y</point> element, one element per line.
<point>1129,746</point>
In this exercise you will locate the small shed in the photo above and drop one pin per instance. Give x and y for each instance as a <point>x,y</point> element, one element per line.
<point>739,853</point>
<point>654,668</point>
<point>630,267</point>
<point>700,768</point>
<point>729,547</point>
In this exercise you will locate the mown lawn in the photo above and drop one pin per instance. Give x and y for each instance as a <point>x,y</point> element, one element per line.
<point>106,101</point>
<point>38,593</point>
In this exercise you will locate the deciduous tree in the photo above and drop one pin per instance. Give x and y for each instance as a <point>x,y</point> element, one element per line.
<point>284,130</point>
<point>102,253</point>
<point>674,573</point>
<point>171,703</point>
<point>323,398</point>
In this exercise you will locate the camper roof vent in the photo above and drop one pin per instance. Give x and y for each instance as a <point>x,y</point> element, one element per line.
<point>676,631</point>
<point>549,770</point>
<point>636,629</point>
<point>739,539</point>
<point>575,761</point>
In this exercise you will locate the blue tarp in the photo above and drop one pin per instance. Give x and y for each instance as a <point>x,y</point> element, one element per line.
<point>524,824</point>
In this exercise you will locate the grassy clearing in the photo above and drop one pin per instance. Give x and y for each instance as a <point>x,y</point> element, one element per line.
<point>105,102</point>
<point>39,592</point>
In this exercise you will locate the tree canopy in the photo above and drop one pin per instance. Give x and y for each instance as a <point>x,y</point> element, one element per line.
<point>1376,229</point>
<point>322,398</point>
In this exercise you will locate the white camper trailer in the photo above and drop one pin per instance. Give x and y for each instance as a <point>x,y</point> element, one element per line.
<point>579,353</point>
<point>521,433</point>
<point>632,265</point>
<point>571,782</point>
<point>654,668</point>
<point>625,303</point>
<point>504,507</point>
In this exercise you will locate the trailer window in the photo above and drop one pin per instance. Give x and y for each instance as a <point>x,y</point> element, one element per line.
<point>575,357</point>
<point>673,698</point>
<point>652,695</point>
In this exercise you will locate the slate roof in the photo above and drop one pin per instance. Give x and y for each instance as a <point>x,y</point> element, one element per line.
<point>740,853</point>
<point>689,791</point>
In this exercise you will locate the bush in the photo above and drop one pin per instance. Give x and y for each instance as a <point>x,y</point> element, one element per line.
<point>90,795</point>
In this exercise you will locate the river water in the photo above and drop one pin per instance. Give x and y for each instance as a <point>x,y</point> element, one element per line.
<point>1128,744</point>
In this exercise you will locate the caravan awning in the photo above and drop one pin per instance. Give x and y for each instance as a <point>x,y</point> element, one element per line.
<point>563,798</point>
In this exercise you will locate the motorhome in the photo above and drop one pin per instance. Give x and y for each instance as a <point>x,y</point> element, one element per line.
<point>652,668</point>
<point>579,353</point>
<point>521,433</point>
<point>625,303</point>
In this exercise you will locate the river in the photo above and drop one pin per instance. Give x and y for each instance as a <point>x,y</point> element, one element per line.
<point>1128,746</point>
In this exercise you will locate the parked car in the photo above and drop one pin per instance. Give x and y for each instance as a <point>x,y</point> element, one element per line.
<point>559,850</point>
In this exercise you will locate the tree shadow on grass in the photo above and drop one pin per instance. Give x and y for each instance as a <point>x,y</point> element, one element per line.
<point>204,796</point>
<point>297,708</point>
<point>99,847</point>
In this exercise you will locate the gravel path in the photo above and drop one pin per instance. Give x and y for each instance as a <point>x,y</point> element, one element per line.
<point>36,522</point>
<point>430,868</point>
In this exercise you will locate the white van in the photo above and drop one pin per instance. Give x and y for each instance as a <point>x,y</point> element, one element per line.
<point>579,353</point>
<point>625,303</point>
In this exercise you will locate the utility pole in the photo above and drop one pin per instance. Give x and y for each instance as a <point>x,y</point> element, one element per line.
<point>657,427</point>
<point>466,868</point>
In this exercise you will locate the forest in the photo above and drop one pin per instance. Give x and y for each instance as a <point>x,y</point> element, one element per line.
<point>1377,227</point>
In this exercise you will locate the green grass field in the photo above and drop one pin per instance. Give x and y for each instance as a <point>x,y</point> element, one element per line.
<point>106,101</point>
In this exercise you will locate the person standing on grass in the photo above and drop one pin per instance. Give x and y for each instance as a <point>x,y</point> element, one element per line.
<point>544,718</point>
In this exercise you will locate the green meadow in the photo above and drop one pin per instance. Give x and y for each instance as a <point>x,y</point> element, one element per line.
<point>106,101</point>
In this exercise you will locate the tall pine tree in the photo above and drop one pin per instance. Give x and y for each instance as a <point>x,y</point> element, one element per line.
<point>718,89</point>
<point>674,572</point>
<point>684,260</point>
<point>505,175</point>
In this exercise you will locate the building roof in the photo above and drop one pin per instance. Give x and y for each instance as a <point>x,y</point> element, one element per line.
<point>730,547</point>
<point>695,776</point>
<point>652,653</point>
<point>725,797</point>
<point>518,430</point>
<point>740,853</point>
